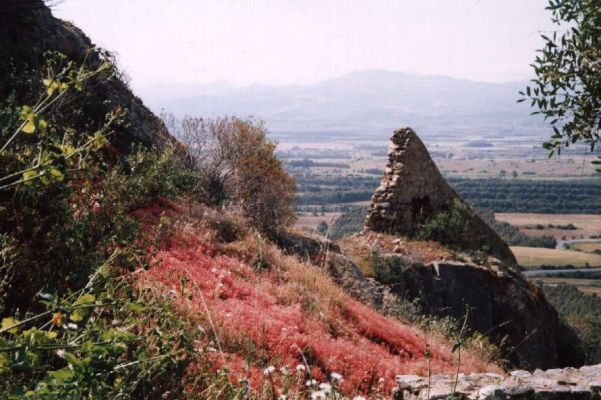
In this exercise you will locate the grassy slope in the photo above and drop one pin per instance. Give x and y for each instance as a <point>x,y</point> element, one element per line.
<point>258,307</point>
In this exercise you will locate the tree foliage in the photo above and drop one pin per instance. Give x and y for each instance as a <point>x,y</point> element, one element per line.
<point>567,88</point>
<point>237,166</point>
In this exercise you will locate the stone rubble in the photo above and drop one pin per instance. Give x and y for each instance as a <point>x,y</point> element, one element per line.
<point>567,383</point>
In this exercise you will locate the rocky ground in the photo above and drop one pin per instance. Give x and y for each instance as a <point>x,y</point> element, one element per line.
<point>568,383</point>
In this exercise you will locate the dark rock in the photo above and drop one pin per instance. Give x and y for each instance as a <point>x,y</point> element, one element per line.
<point>513,314</point>
<point>28,30</point>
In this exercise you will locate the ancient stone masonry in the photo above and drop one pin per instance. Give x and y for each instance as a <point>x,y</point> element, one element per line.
<point>565,384</point>
<point>412,191</point>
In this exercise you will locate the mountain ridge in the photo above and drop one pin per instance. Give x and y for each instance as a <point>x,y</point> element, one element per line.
<point>360,100</point>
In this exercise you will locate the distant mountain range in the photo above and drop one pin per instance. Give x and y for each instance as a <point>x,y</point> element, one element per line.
<point>370,100</point>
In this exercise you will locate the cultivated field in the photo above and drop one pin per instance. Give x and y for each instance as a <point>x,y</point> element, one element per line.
<point>534,257</point>
<point>310,221</point>
<point>587,247</point>
<point>587,224</point>
<point>584,285</point>
<point>590,290</point>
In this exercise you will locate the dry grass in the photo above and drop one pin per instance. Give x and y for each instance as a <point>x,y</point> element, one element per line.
<point>310,221</point>
<point>587,247</point>
<point>264,307</point>
<point>534,257</point>
<point>587,224</point>
<point>590,290</point>
<point>360,247</point>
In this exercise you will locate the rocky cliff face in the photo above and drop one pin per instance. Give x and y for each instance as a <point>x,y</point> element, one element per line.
<point>28,30</point>
<point>413,191</point>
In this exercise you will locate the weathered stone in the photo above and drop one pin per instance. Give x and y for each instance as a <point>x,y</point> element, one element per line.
<point>520,373</point>
<point>421,193</point>
<point>490,392</point>
<point>518,385</point>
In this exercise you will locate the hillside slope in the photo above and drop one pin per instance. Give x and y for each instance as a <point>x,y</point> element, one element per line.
<point>257,307</point>
<point>29,32</point>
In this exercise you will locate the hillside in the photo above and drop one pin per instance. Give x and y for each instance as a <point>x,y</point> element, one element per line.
<point>137,296</point>
<point>133,266</point>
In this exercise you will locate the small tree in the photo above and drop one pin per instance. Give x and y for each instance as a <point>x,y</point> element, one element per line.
<point>238,166</point>
<point>567,88</point>
<point>258,181</point>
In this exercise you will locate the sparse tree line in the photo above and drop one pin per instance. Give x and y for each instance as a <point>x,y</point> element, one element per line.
<point>553,197</point>
<point>582,312</point>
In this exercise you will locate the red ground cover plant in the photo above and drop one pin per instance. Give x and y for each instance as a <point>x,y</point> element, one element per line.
<point>263,317</point>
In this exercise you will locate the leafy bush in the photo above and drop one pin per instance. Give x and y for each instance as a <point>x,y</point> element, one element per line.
<point>447,227</point>
<point>387,270</point>
<point>237,166</point>
<point>66,201</point>
<point>98,342</point>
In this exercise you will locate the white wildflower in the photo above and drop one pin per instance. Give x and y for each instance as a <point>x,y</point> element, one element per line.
<point>285,371</point>
<point>319,395</point>
<point>61,353</point>
<point>269,370</point>
<point>359,398</point>
<point>336,377</point>
<point>300,368</point>
<point>71,325</point>
<point>311,382</point>
<point>326,387</point>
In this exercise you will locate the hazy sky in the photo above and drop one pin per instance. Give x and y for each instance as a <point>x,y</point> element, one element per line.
<point>304,41</point>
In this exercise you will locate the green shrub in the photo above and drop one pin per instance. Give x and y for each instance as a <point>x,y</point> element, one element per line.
<point>447,227</point>
<point>66,203</point>
<point>388,270</point>
<point>237,166</point>
<point>64,198</point>
<point>99,342</point>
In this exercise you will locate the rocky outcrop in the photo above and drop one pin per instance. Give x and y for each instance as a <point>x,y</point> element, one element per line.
<point>499,303</point>
<point>565,384</point>
<point>28,30</point>
<point>513,314</point>
<point>413,191</point>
